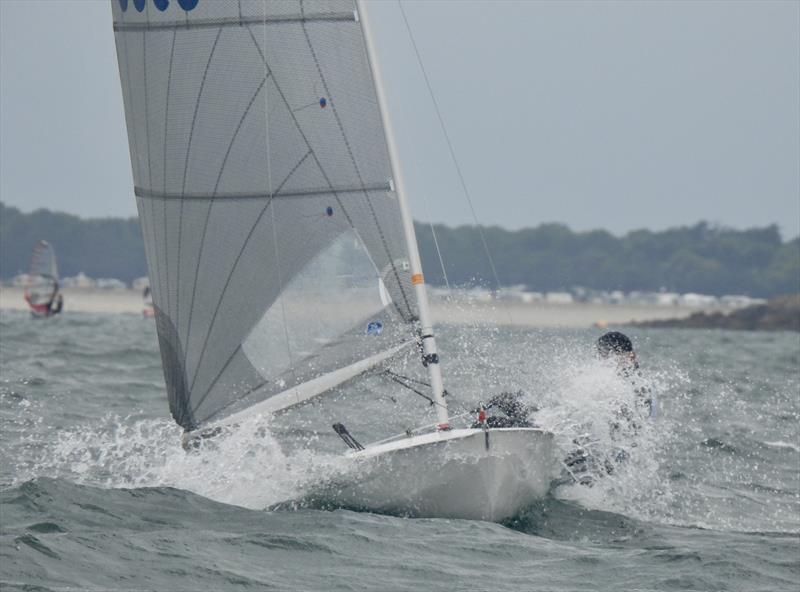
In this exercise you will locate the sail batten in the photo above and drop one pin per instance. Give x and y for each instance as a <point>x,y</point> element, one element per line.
<point>237,22</point>
<point>384,187</point>
<point>265,193</point>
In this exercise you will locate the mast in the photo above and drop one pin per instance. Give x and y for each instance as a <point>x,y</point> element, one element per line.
<point>430,356</point>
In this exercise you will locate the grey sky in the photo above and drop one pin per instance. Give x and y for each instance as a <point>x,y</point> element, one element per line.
<point>599,115</point>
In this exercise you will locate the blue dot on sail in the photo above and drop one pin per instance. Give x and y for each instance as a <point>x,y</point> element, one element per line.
<point>139,4</point>
<point>323,102</point>
<point>162,5</point>
<point>123,4</point>
<point>375,328</point>
<point>329,211</point>
<point>188,4</point>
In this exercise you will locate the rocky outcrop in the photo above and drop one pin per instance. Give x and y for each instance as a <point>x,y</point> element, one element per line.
<point>780,314</point>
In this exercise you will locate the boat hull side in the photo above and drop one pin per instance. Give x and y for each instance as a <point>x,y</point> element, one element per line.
<point>453,477</point>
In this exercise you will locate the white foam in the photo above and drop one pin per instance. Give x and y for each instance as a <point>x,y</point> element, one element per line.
<point>245,467</point>
<point>782,444</point>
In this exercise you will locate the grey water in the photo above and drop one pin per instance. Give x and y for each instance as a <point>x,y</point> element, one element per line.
<point>97,494</point>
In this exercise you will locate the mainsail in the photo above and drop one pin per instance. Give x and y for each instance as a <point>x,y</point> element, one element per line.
<point>42,285</point>
<point>266,199</point>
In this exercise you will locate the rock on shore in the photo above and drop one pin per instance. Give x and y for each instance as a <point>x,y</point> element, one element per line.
<point>780,314</point>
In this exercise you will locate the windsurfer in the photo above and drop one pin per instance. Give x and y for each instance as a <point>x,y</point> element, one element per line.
<point>46,309</point>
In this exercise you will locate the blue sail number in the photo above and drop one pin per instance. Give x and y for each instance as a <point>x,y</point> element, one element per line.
<point>162,5</point>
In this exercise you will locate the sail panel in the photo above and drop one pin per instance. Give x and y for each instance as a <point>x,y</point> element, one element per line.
<point>42,285</point>
<point>257,152</point>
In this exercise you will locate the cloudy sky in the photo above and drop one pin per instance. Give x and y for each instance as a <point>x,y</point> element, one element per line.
<point>615,115</point>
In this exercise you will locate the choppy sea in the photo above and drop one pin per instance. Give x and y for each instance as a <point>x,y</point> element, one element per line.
<point>96,492</point>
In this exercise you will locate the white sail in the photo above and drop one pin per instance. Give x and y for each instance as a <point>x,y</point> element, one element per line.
<point>42,285</point>
<point>316,386</point>
<point>265,194</point>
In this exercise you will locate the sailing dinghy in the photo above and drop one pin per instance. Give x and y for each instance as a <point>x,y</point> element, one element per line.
<point>41,288</point>
<point>280,244</point>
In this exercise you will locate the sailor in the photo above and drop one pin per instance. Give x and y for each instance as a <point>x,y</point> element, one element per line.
<point>57,305</point>
<point>617,348</point>
<point>513,413</point>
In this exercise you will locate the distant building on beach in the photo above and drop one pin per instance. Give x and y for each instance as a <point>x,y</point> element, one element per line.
<point>576,295</point>
<point>78,281</point>
<point>111,284</point>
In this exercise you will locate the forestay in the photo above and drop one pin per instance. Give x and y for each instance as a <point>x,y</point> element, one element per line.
<point>42,285</point>
<point>271,225</point>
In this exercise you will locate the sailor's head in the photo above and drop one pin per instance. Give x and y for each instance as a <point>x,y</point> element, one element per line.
<point>617,346</point>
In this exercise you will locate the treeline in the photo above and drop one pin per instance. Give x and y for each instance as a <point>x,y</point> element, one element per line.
<point>550,257</point>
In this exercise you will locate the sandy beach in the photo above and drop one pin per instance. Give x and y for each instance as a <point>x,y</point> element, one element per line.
<point>460,313</point>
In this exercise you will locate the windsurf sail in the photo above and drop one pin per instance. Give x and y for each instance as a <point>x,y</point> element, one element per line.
<point>277,260</point>
<point>41,288</point>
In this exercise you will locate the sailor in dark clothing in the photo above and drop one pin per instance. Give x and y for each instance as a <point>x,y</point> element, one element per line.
<point>617,347</point>
<point>513,413</point>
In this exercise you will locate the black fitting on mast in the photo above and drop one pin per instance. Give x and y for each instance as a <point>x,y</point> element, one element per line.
<point>427,358</point>
<point>430,359</point>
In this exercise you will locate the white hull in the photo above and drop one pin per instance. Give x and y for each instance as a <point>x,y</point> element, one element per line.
<point>452,474</point>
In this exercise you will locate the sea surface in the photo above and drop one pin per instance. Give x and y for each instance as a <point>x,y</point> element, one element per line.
<point>96,492</point>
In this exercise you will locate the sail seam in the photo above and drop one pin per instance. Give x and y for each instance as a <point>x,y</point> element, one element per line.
<point>211,206</point>
<point>228,281</point>
<point>212,23</point>
<point>218,376</point>
<point>300,131</point>
<point>358,172</point>
<point>155,289</point>
<point>314,192</point>
<point>164,172</point>
<point>185,171</point>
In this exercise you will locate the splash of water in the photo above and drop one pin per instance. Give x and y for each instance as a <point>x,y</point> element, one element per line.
<point>595,410</point>
<point>245,467</point>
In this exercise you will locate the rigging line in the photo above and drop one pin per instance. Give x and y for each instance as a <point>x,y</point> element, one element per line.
<point>411,388</point>
<point>408,378</point>
<point>450,145</point>
<point>245,113</point>
<point>185,171</point>
<point>438,251</point>
<point>357,170</point>
<point>450,397</point>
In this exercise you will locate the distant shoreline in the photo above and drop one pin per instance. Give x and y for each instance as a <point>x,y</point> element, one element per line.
<point>539,314</point>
